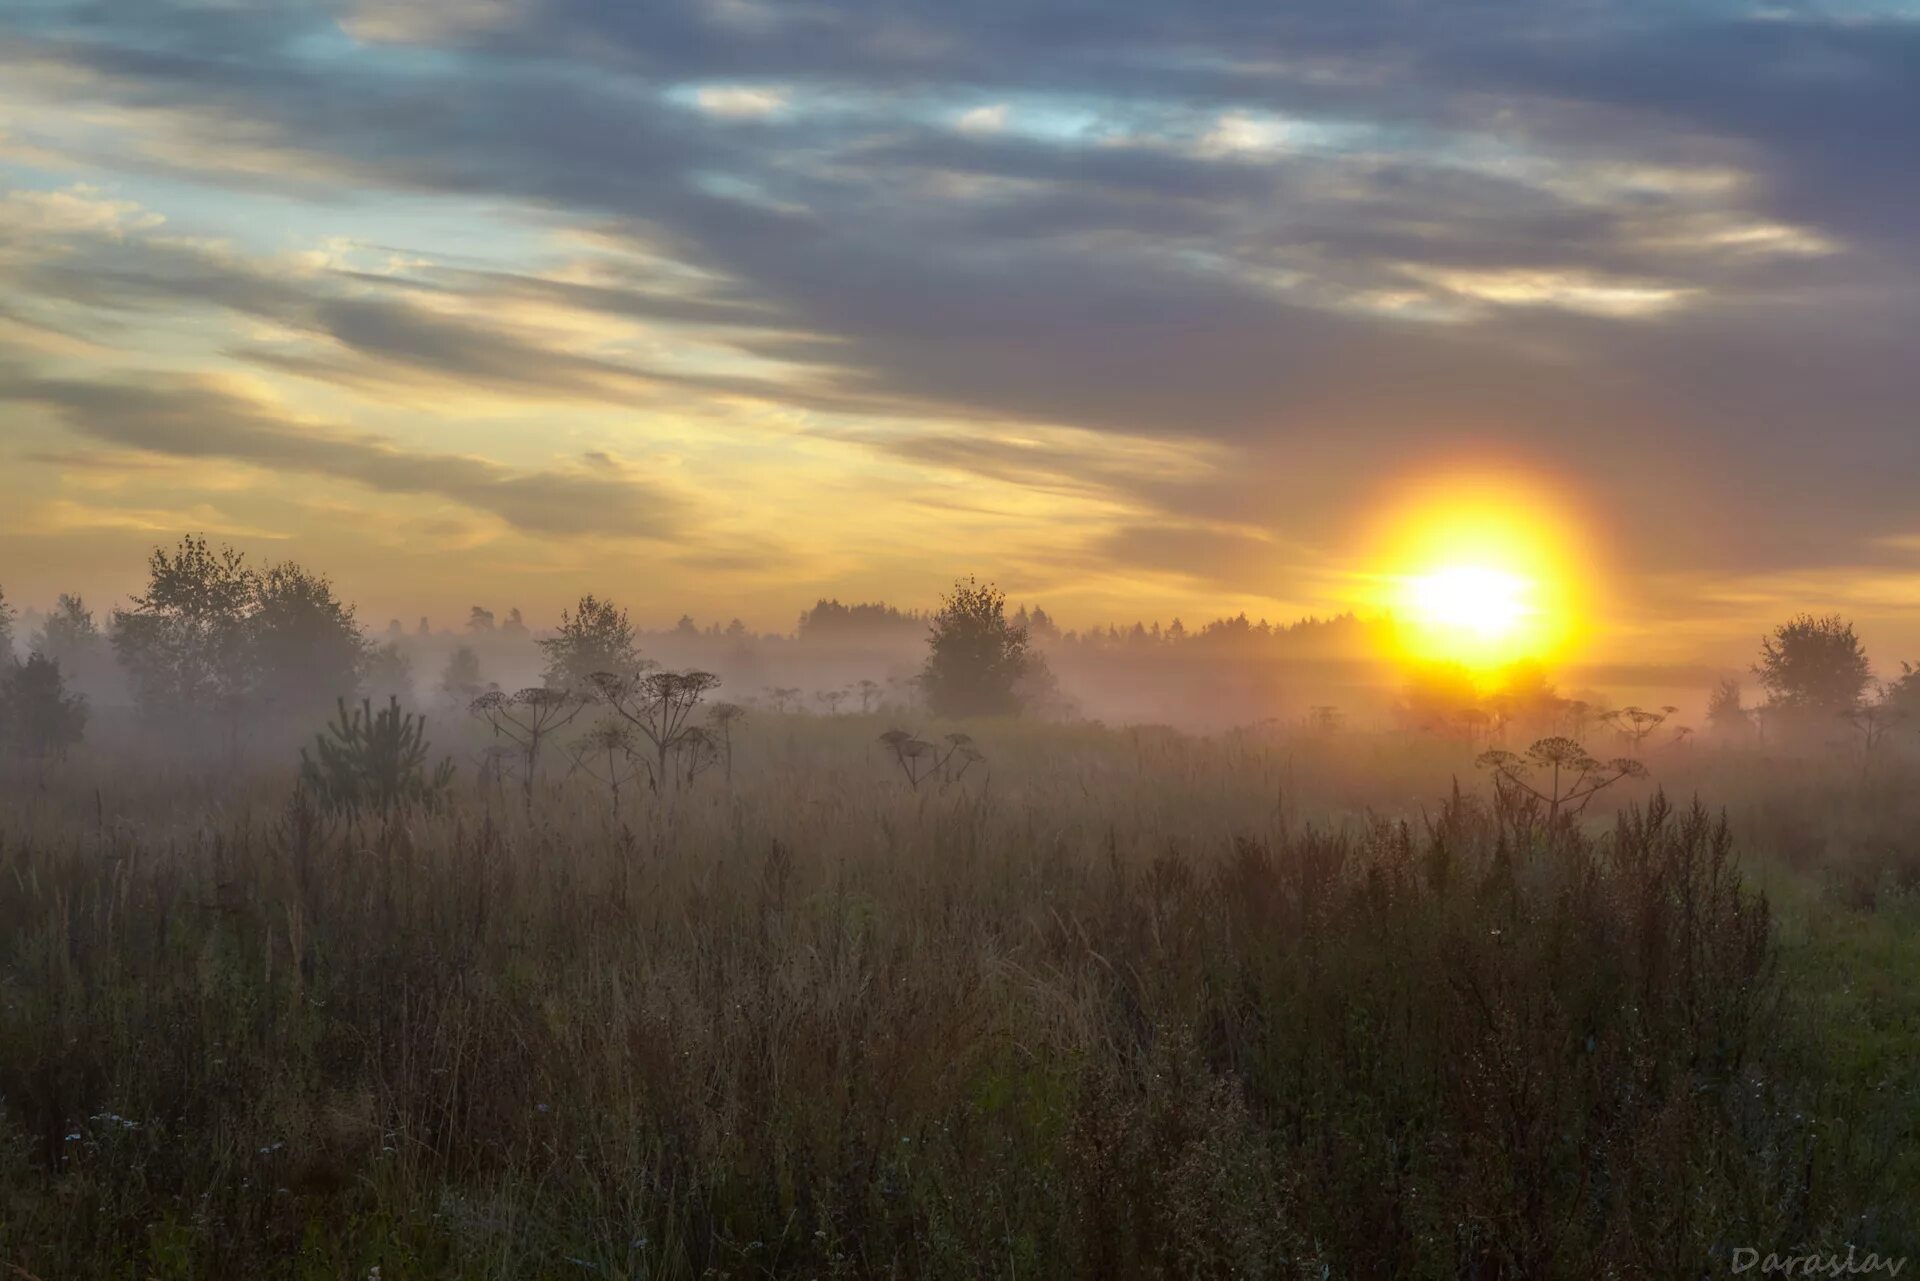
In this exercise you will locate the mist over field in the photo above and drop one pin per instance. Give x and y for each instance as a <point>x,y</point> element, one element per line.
<point>660,639</point>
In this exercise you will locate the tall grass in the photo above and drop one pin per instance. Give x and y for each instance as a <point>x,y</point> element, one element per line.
<point>1120,1009</point>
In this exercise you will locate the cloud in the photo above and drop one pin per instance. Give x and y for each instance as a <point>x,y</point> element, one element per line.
<point>195,418</point>
<point>988,119</point>
<point>1648,246</point>
<point>740,102</point>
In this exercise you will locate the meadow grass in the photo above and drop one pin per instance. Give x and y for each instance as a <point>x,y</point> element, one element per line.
<point>1131,1003</point>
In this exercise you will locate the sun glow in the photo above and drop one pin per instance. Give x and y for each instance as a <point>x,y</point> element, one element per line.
<point>1479,572</point>
<point>1487,604</point>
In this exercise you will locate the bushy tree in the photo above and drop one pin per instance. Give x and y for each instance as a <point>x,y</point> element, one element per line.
<point>183,644</point>
<point>213,637</point>
<point>38,716</point>
<point>975,655</point>
<point>596,636</point>
<point>6,629</point>
<point>1813,667</point>
<point>71,638</point>
<point>307,650</point>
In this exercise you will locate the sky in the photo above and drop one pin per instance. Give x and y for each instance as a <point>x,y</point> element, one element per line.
<point>1142,310</point>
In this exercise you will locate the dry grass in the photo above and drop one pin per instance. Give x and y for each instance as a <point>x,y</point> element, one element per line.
<point>1132,1005</point>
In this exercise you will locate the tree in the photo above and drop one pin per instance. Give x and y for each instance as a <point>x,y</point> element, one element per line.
<point>1813,667</point>
<point>976,656</point>
<point>376,761</point>
<point>6,629</point>
<point>1902,698</point>
<point>479,620</point>
<point>184,642</point>
<point>1874,717</point>
<point>1726,715</point>
<point>389,672</point>
<point>515,625</point>
<point>39,718</point>
<point>71,638</point>
<point>68,633</point>
<point>460,683</point>
<point>307,650</point>
<point>596,637</point>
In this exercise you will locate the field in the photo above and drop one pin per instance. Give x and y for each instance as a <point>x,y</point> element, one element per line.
<point>1116,1003</point>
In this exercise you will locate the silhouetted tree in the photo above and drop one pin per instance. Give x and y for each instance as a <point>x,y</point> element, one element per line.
<point>389,672</point>
<point>976,656</point>
<point>1902,698</point>
<point>1813,667</point>
<point>596,637</point>
<point>68,633</point>
<point>184,644</point>
<point>306,648</point>
<point>1873,716</point>
<point>38,716</point>
<point>515,625</point>
<point>6,629</point>
<point>831,618</point>
<point>71,638</point>
<point>461,682</point>
<point>1727,716</point>
<point>479,620</point>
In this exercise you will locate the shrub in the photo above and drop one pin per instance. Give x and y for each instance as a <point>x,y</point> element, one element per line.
<point>375,761</point>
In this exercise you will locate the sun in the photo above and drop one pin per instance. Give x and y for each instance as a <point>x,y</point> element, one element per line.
<point>1480,604</point>
<point>1478,571</point>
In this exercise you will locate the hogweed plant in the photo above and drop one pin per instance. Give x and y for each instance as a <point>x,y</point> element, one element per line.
<point>920,760</point>
<point>1636,724</point>
<point>527,719</point>
<point>721,718</point>
<point>660,707</point>
<point>1556,772</point>
<point>607,755</point>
